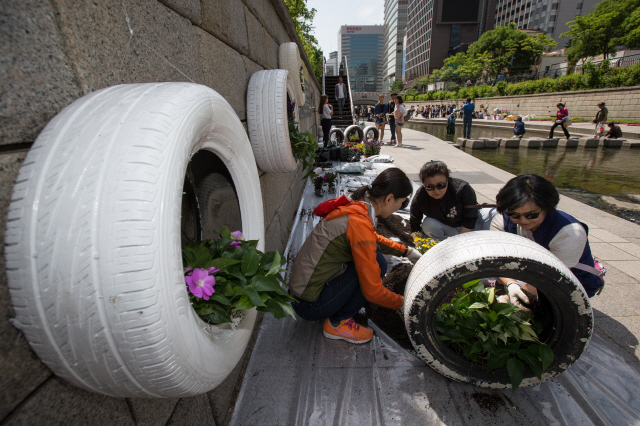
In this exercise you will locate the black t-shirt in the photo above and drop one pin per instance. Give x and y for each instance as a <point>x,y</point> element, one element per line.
<point>449,209</point>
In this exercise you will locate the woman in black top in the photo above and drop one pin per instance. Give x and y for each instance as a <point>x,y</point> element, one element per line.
<point>446,206</point>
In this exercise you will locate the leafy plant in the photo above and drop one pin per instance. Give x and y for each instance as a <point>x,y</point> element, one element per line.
<point>423,243</point>
<point>372,147</point>
<point>229,274</point>
<point>303,147</point>
<point>495,334</point>
<point>330,179</point>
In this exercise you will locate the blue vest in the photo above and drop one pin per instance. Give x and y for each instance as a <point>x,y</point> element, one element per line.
<point>548,229</point>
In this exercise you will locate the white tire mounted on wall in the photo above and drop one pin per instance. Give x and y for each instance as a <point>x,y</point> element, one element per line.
<point>354,129</point>
<point>289,59</point>
<point>267,120</point>
<point>93,241</point>
<point>477,255</point>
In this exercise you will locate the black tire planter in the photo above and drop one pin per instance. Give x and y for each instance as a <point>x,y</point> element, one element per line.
<point>476,255</point>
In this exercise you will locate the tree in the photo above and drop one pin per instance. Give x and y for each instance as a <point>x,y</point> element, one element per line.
<point>397,86</point>
<point>303,20</point>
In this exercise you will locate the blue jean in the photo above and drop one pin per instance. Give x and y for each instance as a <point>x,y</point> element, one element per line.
<point>340,299</point>
<point>466,128</point>
<point>340,104</point>
<point>392,125</point>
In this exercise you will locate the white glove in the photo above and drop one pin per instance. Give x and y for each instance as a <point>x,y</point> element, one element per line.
<point>503,299</point>
<point>400,310</point>
<point>516,295</point>
<point>414,255</point>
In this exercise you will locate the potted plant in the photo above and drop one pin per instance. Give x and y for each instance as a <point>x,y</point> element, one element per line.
<point>303,145</point>
<point>227,275</point>
<point>318,182</point>
<point>371,147</point>
<point>330,179</point>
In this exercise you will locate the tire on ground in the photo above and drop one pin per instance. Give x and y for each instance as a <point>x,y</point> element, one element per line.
<point>476,255</point>
<point>289,59</point>
<point>338,134</point>
<point>354,129</point>
<point>93,241</point>
<point>371,130</point>
<point>267,120</point>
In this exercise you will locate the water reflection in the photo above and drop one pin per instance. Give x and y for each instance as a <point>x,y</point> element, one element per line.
<point>580,173</point>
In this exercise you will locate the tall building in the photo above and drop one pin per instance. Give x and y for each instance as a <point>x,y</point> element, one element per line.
<point>363,47</point>
<point>331,67</point>
<point>550,16</point>
<point>395,21</point>
<point>437,29</point>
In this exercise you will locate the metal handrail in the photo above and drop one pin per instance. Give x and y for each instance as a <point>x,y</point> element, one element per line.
<point>324,66</point>
<point>353,114</point>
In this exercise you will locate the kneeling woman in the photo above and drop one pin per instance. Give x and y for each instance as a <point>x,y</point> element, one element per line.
<point>527,205</point>
<point>448,205</point>
<point>340,266</point>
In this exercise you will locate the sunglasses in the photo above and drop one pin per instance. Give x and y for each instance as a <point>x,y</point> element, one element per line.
<point>530,215</point>
<point>441,185</point>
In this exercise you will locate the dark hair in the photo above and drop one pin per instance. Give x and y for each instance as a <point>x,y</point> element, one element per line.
<point>394,94</point>
<point>560,105</point>
<point>433,168</point>
<point>324,99</point>
<point>524,188</point>
<point>601,103</point>
<point>611,124</point>
<point>399,98</point>
<point>468,100</point>
<point>391,181</point>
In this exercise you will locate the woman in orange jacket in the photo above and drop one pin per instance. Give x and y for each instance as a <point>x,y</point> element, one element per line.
<point>340,267</point>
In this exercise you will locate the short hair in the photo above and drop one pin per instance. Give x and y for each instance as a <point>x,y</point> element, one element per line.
<point>611,124</point>
<point>601,103</point>
<point>468,99</point>
<point>560,105</point>
<point>394,94</point>
<point>518,118</point>
<point>524,188</point>
<point>433,168</point>
<point>399,98</point>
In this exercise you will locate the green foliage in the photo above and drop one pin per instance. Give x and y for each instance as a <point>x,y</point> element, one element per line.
<point>303,20</point>
<point>397,86</point>
<point>303,147</point>
<point>495,334</point>
<point>246,278</point>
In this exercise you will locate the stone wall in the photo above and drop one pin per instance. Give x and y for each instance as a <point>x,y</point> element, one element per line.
<point>57,51</point>
<point>623,103</point>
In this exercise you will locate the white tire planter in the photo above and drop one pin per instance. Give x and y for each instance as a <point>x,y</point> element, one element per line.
<point>354,129</point>
<point>93,241</point>
<point>289,59</point>
<point>485,254</point>
<point>267,120</point>
<point>336,137</point>
<point>371,130</point>
<point>218,205</point>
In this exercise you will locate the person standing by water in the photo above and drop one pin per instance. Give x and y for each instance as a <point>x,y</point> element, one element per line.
<point>381,116</point>
<point>399,114</point>
<point>562,115</point>
<point>600,120</point>
<point>325,110</point>
<point>391,107</point>
<point>341,94</point>
<point>467,118</point>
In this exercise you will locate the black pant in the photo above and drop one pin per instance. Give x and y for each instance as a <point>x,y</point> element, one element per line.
<point>564,129</point>
<point>392,125</point>
<point>326,128</point>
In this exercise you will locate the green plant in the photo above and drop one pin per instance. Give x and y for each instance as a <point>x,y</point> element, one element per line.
<point>330,179</point>
<point>303,147</point>
<point>494,334</point>
<point>229,274</point>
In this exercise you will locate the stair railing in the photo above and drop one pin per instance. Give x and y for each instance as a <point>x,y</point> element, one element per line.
<point>353,114</point>
<point>324,66</point>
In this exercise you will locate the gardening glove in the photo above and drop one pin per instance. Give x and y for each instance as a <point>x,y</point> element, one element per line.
<point>414,255</point>
<point>400,310</point>
<point>516,295</point>
<point>502,299</point>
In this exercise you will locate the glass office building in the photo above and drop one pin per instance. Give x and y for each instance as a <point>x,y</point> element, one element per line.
<point>363,47</point>
<point>395,21</point>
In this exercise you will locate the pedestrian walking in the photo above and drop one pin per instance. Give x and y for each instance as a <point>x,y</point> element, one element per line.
<point>399,114</point>
<point>600,120</point>
<point>518,128</point>
<point>561,117</point>
<point>614,132</point>
<point>381,116</point>
<point>391,107</point>
<point>341,94</point>
<point>467,118</point>
<point>325,110</point>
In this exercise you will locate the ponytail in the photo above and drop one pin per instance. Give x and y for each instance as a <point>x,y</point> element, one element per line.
<point>391,181</point>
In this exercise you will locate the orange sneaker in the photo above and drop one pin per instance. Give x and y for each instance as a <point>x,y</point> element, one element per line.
<point>347,330</point>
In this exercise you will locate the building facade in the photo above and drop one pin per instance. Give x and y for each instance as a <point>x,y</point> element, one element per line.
<point>363,47</point>
<point>550,16</point>
<point>395,21</point>
<point>437,29</point>
<point>331,65</point>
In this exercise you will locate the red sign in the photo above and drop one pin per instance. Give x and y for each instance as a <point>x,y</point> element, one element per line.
<point>354,28</point>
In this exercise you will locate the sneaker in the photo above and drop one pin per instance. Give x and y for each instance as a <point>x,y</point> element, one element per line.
<point>398,146</point>
<point>348,330</point>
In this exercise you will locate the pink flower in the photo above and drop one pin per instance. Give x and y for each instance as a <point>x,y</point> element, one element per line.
<point>212,271</point>
<point>326,176</point>
<point>187,269</point>
<point>237,237</point>
<point>200,283</point>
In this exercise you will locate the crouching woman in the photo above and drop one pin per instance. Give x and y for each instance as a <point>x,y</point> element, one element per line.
<point>527,204</point>
<point>340,266</point>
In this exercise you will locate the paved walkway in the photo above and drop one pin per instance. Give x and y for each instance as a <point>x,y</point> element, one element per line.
<point>613,240</point>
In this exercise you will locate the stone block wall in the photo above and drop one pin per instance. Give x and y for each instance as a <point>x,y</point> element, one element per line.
<point>54,52</point>
<point>623,103</point>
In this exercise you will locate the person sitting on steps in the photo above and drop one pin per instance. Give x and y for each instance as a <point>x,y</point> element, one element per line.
<point>340,266</point>
<point>518,128</point>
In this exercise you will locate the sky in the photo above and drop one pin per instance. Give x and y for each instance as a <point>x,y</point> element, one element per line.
<point>332,14</point>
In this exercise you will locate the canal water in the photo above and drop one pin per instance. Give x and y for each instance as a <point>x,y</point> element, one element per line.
<point>584,174</point>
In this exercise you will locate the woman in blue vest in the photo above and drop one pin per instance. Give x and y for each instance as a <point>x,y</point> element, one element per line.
<point>527,205</point>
